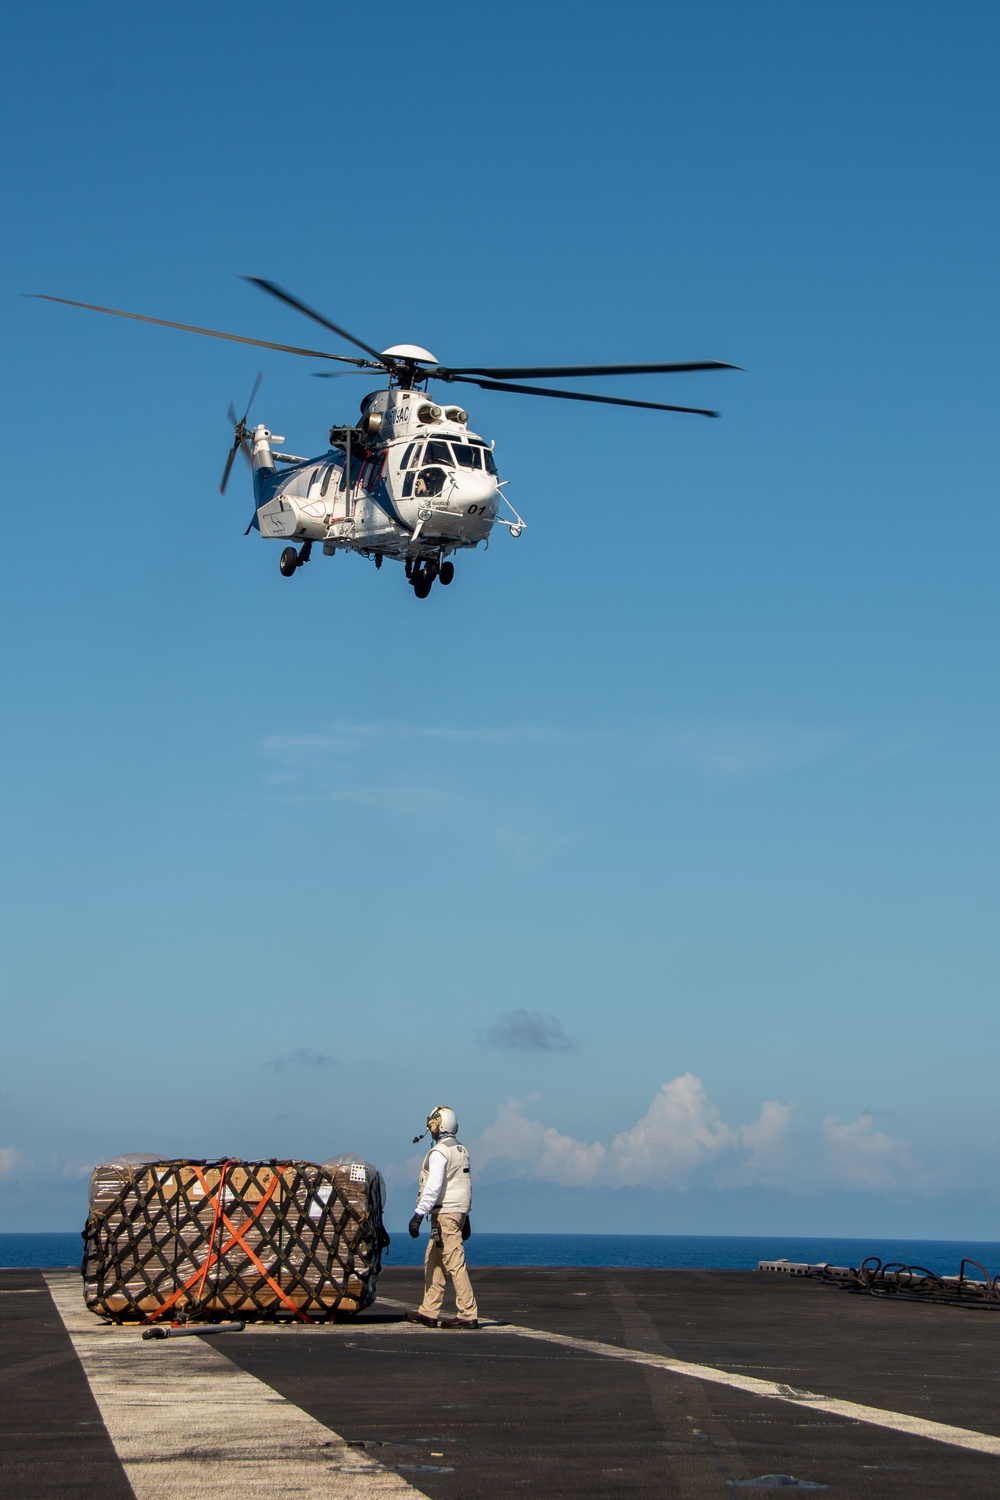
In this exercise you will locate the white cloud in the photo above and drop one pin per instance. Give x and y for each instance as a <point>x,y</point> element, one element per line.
<point>78,1168</point>
<point>744,750</point>
<point>681,1131</point>
<point>731,750</point>
<point>10,1160</point>
<point>541,1150</point>
<point>309,750</point>
<point>856,1156</point>
<point>683,1141</point>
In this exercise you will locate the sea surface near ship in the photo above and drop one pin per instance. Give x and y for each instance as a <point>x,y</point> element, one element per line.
<point>710,1252</point>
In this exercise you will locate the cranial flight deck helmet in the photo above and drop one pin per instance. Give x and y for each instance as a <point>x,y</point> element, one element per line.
<point>442,1121</point>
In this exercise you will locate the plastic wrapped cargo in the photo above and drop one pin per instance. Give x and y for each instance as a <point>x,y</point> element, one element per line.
<point>210,1240</point>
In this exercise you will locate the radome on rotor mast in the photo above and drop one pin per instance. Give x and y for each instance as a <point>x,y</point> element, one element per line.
<point>409,481</point>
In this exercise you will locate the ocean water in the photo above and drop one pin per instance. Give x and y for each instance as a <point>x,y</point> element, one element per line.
<point>712,1252</point>
<point>40,1249</point>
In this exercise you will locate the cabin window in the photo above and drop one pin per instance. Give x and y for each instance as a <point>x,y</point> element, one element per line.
<point>406,456</point>
<point>370,471</point>
<point>467,456</point>
<point>488,460</point>
<point>326,479</point>
<point>312,480</point>
<point>408,484</point>
<point>438,453</point>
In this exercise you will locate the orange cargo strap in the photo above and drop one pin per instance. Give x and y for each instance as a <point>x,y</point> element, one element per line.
<point>212,1257</point>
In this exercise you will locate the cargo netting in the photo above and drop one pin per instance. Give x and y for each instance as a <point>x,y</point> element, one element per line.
<point>212,1240</point>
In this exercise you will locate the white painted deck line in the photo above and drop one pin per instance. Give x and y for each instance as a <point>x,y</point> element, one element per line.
<point>186,1422</point>
<point>771,1390</point>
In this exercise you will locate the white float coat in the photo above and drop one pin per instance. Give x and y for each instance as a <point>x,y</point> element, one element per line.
<point>445,1178</point>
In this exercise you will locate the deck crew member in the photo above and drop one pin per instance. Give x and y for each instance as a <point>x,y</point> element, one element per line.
<point>445,1193</point>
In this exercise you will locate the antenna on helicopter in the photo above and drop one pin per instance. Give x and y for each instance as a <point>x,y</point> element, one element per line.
<point>241,433</point>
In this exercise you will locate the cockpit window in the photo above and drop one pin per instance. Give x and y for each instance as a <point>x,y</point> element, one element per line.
<point>467,456</point>
<point>438,453</point>
<point>430,481</point>
<point>406,456</point>
<point>491,467</point>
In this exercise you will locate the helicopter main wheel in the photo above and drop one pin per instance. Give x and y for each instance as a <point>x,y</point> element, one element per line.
<point>447,572</point>
<point>288,562</point>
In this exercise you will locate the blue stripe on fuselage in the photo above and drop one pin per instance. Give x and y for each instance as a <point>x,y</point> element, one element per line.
<point>381,497</point>
<point>267,483</point>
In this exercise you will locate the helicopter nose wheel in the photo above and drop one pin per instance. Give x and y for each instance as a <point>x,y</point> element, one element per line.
<point>447,572</point>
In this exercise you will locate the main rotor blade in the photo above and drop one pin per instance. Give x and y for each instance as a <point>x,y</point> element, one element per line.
<point>541,390</point>
<point>213,333</point>
<point>537,371</point>
<point>283,296</point>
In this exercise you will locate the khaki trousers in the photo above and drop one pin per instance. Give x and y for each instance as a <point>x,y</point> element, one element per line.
<point>445,1264</point>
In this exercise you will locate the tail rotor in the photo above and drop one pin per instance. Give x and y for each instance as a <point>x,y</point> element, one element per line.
<point>241,434</point>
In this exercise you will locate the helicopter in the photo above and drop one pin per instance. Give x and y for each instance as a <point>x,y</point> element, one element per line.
<point>409,480</point>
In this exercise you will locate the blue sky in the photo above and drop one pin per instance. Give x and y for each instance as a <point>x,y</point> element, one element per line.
<point>663,844</point>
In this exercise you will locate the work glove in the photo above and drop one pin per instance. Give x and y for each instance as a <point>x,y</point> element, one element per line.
<point>467,1228</point>
<point>414,1226</point>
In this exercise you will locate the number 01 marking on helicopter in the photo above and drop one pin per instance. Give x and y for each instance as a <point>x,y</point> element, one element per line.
<point>409,480</point>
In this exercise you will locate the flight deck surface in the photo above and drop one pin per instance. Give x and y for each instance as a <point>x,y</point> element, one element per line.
<point>584,1383</point>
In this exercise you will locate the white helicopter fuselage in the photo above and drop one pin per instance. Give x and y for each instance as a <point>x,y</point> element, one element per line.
<point>409,481</point>
<point>421,485</point>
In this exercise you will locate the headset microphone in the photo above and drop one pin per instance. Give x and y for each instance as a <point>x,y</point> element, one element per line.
<point>417,1138</point>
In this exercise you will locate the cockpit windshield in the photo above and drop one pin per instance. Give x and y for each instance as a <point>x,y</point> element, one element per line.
<point>438,453</point>
<point>488,462</point>
<point>467,456</point>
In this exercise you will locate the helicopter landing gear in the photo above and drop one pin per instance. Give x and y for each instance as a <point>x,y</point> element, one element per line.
<point>290,559</point>
<point>447,572</point>
<point>422,576</point>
